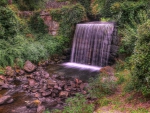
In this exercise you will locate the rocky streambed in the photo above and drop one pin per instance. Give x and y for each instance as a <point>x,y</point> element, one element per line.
<point>33,89</point>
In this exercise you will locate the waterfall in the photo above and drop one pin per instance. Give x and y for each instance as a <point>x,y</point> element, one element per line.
<point>92,43</point>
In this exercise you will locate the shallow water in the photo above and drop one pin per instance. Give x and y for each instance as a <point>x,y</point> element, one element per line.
<point>73,71</point>
<point>67,71</point>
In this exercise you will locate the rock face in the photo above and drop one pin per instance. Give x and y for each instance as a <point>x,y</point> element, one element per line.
<point>29,67</point>
<point>53,26</point>
<point>114,47</point>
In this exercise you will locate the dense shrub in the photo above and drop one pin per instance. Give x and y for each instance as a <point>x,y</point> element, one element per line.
<point>37,24</point>
<point>141,59</point>
<point>124,12</point>
<point>20,49</point>
<point>3,2</point>
<point>67,17</point>
<point>30,4</point>
<point>8,23</point>
<point>130,32</point>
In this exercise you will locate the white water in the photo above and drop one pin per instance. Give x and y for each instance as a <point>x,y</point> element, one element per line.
<point>91,44</point>
<point>81,66</point>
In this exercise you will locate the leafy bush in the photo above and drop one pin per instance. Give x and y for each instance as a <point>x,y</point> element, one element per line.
<point>124,12</point>
<point>130,32</point>
<point>8,23</point>
<point>141,59</point>
<point>37,24</point>
<point>100,88</point>
<point>3,2</point>
<point>20,49</point>
<point>67,17</point>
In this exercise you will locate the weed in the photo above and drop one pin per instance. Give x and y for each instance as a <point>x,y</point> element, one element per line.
<point>77,104</point>
<point>100,88</point>
<point>104,101</point>
<point>139,110</point>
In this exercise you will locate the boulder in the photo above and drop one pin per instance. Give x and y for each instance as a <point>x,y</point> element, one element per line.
<point>32,104</point>
<point>5,99</point>
<point>29,67</point>
<point>63,94</point>
<point>10,71</point>
<point>41,109</point>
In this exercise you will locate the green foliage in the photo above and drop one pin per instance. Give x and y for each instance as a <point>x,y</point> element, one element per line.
<point>77,104</point>
<point>3,2</point>
<point>101,86</point>
<point>37,24</point>
<point>30,4</point>
<point>102,7</point>
<point>141,59</point>
<point>130,32</point>
<point>139,110</point>
<point>20,49</point>
<point>104,101</point>
<point>124,12</point>
<point>8,23</point>
<point>67,17</point>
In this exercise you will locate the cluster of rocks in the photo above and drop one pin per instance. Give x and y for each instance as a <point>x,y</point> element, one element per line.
<point>48,91</point>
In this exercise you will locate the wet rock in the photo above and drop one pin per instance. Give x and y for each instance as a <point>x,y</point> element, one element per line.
<point>32,104</point>
<point>46,93</point>
<point>4,99</point>
<point>10,101</point>
<point>29,67</point>
<point>2,77</point>
<point>31,82</point>
<point>51,82</point>
<point>50,102</point>
<point>40,109</point>
<point>1,83</point>
<point>5,86</point>
<point>82,86</point>
<point>21,72</point>
<point>10,71</point>
<point>46,75</point>
<point>10,79</point>
<point>63,94</point>
<point>72,84</point>
<point>29,75</point>
<point>24,109</point>
<point>37,95</point>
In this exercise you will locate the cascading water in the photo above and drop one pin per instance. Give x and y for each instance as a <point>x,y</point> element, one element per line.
<point>94,43</point>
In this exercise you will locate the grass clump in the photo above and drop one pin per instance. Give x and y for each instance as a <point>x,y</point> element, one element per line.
<point>102,86</point>
<point>77,104</point>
